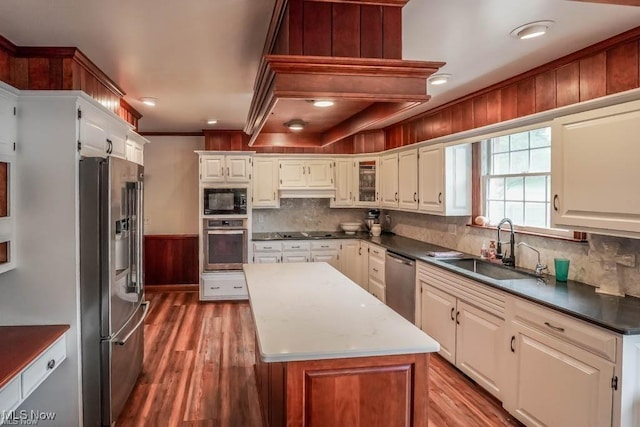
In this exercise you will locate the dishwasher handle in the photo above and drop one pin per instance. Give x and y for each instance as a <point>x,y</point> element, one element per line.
<point>400,259</point>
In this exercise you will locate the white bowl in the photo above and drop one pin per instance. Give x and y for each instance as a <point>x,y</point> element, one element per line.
<point>350,227</point>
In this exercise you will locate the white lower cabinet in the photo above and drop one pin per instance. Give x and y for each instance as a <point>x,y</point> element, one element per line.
<point>558,384</point>
<point>350,259</point>
<point>467,319</point>
<point>296,251</point>
<point>562,370</point>
<point>224,286</point>
<point>376,270</point>
<point>326,251</point>
<point>25,382</point>
<point>267,252</point>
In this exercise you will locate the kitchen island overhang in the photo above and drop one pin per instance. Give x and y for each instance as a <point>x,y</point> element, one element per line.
<point>329,353</point>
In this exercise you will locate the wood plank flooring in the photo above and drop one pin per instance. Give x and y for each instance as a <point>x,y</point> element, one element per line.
<point>198,371</point>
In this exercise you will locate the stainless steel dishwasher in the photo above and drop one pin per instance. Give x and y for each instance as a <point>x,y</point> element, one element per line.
<point>400,285</point>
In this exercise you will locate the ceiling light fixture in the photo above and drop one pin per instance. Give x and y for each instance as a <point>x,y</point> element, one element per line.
<point>532,30</point>
<point>295,125</point>
<point>151,102</point>
<point>322,103</point>
<point>439,79</point>
<point>212,122</point>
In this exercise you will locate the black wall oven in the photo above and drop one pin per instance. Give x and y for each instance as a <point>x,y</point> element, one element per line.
<point>224,201</point>
<point>224,244</point>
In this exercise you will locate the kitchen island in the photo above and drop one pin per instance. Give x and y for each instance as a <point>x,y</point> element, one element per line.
<point>331,354</point>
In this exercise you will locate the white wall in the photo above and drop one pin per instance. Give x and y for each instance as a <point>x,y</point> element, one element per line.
<point>171,184</point>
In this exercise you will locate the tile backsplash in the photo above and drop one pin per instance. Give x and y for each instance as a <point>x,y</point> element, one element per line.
<point>611,263</point>
<point>608,262</point>
<point>304,215</point>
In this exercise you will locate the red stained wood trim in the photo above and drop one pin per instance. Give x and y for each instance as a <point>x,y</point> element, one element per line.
<point>479,112</point>
<point>392,33</point>
<point>618,2</point>
<point>371,31</point>
<point>21,345</point>
<point>366,119</point>
<point>345,31</point>
<point>288,139</point>
<point>7,46</point>
<point>171,259</point>
<point>526,100</point>
<point>201,133</point>
<point>593,76</point>
<point>294,27</point>
<point>316,29</point>
<point>622,67</point>
<point>545,90</point>
<point>398,3</point>
<point>494,106</point>
<point>568,85</point>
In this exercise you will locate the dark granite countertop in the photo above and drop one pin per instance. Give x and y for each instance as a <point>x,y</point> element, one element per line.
<point>621,315</point>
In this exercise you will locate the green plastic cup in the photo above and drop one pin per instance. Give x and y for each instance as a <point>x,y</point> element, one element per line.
<point>562,269</point>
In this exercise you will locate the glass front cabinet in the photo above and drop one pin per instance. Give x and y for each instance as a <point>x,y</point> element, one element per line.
<point>366,179</point>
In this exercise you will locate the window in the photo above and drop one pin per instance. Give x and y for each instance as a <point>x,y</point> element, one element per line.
<point>516,177</point>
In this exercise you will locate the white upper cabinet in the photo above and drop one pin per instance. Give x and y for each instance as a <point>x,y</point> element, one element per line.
<point>389,181</point>
<point>344,183</point>
<point>8,122</point>
<point>101,134</point>
<point>594,168</point>
<point>408,179</point>
<point>306,174</point>
<point>225,168</point>
<point>366,181</point>
<point>265,183</point>
<point>445,180</point>
<point>135,147</point>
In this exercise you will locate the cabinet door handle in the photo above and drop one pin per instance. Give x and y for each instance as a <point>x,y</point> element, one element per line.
<point>457,318</point>
<point>237,287</point>
<point>228,172</point>
<point>295,247</point>
<point>452,310</point>
<point>359,251</point>
<point>214,287</point>
<point>396,196</point>
<point>555,328</point>
<point>513,341</point>
<point>555,205</point>
<point>377,197</point>
<point>304,170</point>
<point>274,195</point>
<point>350,195</point>
<point>309,170</point>
<point>109,146</point>
<point>375,269</point>
<point>440,198</point>
<point>51,364</point>
<point>415,197</point>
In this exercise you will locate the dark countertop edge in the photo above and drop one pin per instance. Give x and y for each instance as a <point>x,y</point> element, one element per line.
<point>383,241</point>
<point>21,345</point>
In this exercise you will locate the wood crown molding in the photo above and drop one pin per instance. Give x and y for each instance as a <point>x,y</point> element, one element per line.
<point>171,133</point>
<point>135,113</point>
<point>8,46</point>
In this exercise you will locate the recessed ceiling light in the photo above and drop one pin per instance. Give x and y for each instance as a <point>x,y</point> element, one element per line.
<point>151,102</point>
<point>295,125</point>
<point>322,103</point>
<point>532,30</point>
<point>439,79</point>
<point>212,122</point>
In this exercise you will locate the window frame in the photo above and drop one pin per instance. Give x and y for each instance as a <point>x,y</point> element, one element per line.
<point>480,185</point>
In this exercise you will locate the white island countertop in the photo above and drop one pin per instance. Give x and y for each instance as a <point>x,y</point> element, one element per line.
<point>311,311</point>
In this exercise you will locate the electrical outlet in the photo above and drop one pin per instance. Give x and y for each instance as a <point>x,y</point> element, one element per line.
<point>452,229</point>
<point>147,221</point>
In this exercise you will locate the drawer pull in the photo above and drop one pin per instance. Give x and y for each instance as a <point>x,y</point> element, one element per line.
<point>51,364</point>
<point>555,328</point>
<point>267,247</point>
<point>237,287</point>
<point>376,252</point>
<point>375,269</point>
<point>214,287</point>
<point>324,246</point>
<point>295,247</point>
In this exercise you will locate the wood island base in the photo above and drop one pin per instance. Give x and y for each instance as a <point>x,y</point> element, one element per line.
<point>377,391</point>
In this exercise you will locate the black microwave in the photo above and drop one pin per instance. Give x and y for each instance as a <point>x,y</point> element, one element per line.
<point>224,201</point>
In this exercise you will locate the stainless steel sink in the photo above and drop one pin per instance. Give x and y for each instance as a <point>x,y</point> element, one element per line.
<point>317,234</point>
<point>489,269</point>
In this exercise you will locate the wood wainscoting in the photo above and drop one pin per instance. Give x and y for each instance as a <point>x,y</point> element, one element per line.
<point>171,259</point>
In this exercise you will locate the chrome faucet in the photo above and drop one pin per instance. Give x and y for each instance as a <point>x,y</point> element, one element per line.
<point>539,267</point>
<point>511,259</point>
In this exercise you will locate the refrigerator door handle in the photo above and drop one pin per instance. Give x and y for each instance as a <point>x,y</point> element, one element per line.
<point>140,236</point>
<point>135,328</point>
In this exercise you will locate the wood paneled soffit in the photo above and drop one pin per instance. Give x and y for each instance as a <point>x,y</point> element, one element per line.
<point>345,51</point>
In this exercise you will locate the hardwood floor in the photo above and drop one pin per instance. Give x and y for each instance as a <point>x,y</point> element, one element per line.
<point>198,371</point>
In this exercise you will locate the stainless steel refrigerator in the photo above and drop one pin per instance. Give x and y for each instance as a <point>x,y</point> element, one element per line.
<point>112,299</point>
